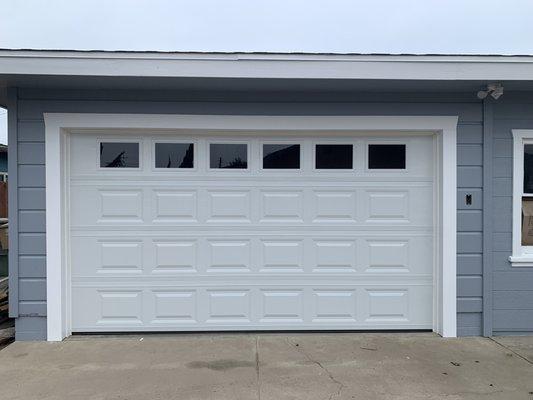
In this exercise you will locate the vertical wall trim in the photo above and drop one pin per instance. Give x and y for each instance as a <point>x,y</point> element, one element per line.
<point>488,122</point>
<point>12,150</point>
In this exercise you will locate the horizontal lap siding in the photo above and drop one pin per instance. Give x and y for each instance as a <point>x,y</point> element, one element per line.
<point>32,227</point>
<point>512,286</point>
<point>469,229</point>
<point>31,193</point>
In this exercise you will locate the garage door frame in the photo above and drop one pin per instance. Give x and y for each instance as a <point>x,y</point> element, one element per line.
<point>60,126</point>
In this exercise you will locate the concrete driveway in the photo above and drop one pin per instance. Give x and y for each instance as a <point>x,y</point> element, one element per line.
<point>269,366</point>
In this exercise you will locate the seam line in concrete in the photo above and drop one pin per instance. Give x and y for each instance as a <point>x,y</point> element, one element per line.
<point>257,370</point>
<point>512,351</point>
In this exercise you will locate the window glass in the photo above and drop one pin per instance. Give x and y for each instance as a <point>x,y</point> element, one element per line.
<point>528,168</point>
<point>527,221</point>
<point>386,156</point>
<point>119,155</point>
<point>333,156</point>
<point>174,155</point>
<point>281,156</point>
<point>228,155</point>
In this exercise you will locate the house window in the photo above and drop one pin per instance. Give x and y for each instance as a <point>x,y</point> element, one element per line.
<point>228,156</point>
<point>174,155</point>
<point>386,156</point>
<point>333,156</point>
<point>119,155</point>
<point>281,156</point>
<point>522,255</point>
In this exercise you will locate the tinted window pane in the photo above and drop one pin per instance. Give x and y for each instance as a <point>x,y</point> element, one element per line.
<point>228,155</point>
<point>281,156</point>
<point>174,155</point>
<point>528,168</point>
<point>334,156</point>
<point>119,155</point>
<point>386,156</point>
<point>527,221</point>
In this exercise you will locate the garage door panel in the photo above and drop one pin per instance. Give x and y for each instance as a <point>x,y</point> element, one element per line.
<point>214,249</point>
<point>174,256</point>
<point>252,307</point>
<point>174,206</point>
<point>173,307</point>
<point>334,255</point>
<point>229,206</point>
<point>332,206</point>
<point>384,255</point>
<point>397,255</point>
<point>282,206</point>
<point>153,206</point>
<point>231,256</point>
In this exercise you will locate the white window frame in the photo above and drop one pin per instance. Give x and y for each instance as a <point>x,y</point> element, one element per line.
<point>59,127</point>
<point>522,256</point>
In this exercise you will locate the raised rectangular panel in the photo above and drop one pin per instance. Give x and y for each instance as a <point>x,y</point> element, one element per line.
<point>121,257</point>
<point>229,305</point>
<point>229,255</point>
<point>175,256</point>
<point>334,206</point>
<point>388,305</point>
<point>229,206</point>
<point>388,256</point>
<point>120,307</point>
<point>388,206</point>
<point>334,304</point>
<point>335,256</point>
<point>282,255</point>
<point>282,206</point>
<point>282,304</point>
<point>175,206</point>
<point>174,306</point>
<point>121,205</point>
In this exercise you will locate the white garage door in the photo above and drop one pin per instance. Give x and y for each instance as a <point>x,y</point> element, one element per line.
<point>235,232</point>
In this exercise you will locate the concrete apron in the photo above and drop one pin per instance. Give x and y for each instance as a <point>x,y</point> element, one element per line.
<point>266,366</point>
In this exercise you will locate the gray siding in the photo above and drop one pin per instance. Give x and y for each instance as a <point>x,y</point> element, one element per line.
<point>512,287</point>
<point>31,202</point>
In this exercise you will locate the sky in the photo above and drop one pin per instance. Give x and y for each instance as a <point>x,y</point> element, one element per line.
<point>315,26</point>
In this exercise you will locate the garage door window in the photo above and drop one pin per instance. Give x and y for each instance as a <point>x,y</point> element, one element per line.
<point>174,155</point>
<point>281,156</point>
<point>228,155</point>
<point>334,156</point>
<point>119,155</point>
<point>386,156</point>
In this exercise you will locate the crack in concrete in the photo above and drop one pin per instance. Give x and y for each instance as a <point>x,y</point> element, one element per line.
<point>512,351</point>
<point>258,372</point>
<point>341,385</point>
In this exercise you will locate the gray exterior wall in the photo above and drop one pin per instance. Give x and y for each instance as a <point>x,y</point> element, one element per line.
<point>28,266</point>
<point>512,287</point>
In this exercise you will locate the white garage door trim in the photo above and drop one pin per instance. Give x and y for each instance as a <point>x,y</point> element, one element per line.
<point>59,126</point>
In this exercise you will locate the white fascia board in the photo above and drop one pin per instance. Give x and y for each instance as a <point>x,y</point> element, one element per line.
<point>280,66</point>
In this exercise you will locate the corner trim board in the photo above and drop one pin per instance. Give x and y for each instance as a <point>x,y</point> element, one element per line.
<point>59,126</point>
<point>12,162</point>
<point>487,216</point>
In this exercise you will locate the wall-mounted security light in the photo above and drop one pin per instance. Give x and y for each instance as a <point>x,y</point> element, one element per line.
<point>494,89</point>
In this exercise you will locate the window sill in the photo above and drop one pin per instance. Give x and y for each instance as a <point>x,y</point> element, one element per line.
<point>521,261</point>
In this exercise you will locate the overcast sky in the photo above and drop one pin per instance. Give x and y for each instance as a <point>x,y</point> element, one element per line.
<point>343,26</point>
